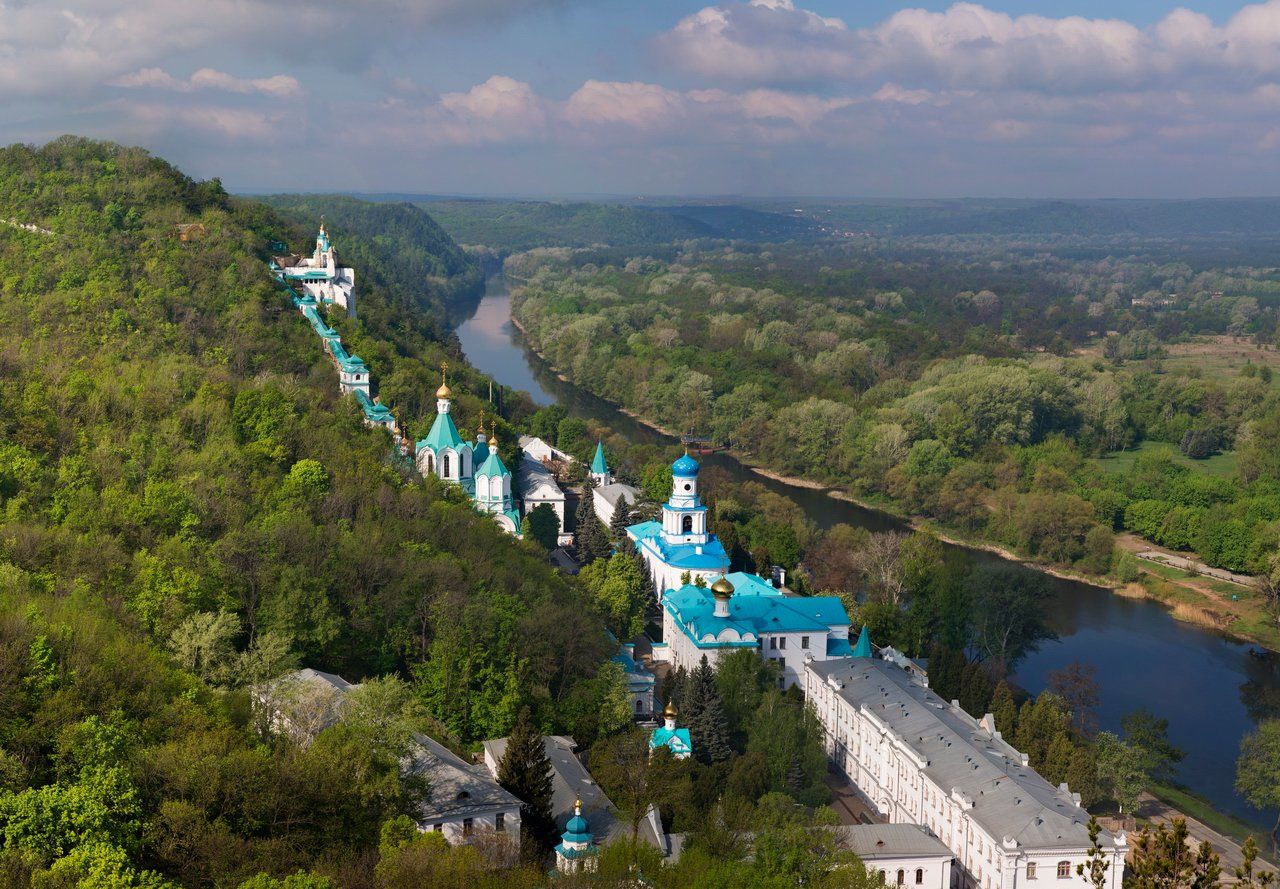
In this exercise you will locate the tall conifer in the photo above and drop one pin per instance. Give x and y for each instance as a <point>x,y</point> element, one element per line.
<point>525,772</point>
<point>705,716</point>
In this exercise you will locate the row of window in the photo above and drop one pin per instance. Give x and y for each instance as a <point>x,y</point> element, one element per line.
<point>902,876</point>
<point>777,643</point>
<point>469,824</point>
<point>1064,870</point>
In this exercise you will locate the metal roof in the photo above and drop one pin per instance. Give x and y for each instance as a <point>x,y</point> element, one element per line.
<point>1008,799</point>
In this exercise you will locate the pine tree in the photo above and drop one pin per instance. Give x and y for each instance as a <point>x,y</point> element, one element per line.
<point>621,520</point>
<point>1004,710</point>
<point>592,542</point>
<point>525,772</point>
<point>1057,761</point>
<point>705,716</point>
<point>1096,869</point>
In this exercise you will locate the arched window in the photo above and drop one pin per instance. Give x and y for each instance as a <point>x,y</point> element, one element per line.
<point>919,876</point>
<point>1064,870</point>
<point>431,462</point>
<point>686,524</point>
<point>1031,870</point>
<point>444,466</point>
<point>902,876</point>
<point>639,706</point>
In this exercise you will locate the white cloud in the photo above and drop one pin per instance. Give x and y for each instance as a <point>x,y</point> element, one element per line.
<point>635,105</point>
<point>78,45</point>
<point>281,86</point>
<point>971,46</point>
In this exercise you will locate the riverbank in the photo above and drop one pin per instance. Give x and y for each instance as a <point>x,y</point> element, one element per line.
<point>1129,634</point>
<point>1236,616</point>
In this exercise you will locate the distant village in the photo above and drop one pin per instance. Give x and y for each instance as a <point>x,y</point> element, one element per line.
<point>950,804</point>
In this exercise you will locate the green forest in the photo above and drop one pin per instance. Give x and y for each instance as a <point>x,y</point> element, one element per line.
<point>190,509</point>
<point>987,410</point>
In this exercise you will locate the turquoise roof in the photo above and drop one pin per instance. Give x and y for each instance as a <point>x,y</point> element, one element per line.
<point>838,647</point>
<point>598,465</point>
<point>685,467</point>
<point>756,609</point>
<point>493,465</point>
<point>443,434</point>
<point>374,412</point>
<point>591,851</point>
<point>680,555</point>
<point>863,648</point>
<point>677,741</point>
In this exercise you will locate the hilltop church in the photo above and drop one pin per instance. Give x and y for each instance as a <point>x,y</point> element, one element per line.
<point>319,274</point>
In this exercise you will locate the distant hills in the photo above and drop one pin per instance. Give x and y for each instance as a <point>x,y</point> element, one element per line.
<point>513,225</point>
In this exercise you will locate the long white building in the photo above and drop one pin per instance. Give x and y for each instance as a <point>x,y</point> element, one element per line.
<point>921,760</point>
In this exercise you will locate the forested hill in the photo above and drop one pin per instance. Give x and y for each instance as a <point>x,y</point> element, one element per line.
<point>524,225</point>
<point>400,238</point>
<point>188,507</point>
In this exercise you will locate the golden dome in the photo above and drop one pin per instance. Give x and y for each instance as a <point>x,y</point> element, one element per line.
<point>493,441</point>
<point>443,391</point>
<point>669,711</point>
<point>722,588</point>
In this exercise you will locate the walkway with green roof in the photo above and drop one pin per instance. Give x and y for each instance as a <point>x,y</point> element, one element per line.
<point>376,414</point>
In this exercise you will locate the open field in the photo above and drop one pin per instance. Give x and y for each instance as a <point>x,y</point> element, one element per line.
<point>1223,464</point>
<point>1217,357</point>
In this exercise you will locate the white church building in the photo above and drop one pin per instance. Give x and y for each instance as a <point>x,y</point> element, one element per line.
<point>475,466</point>
<point>679,549</point>
<point>319,274</point>
<point>921,760</point>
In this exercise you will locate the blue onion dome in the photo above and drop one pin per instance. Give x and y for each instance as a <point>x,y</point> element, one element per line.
<point>577,824</point>
<point>685,467</point>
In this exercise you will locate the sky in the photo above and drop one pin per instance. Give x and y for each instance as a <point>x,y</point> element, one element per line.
<point>820,98</point>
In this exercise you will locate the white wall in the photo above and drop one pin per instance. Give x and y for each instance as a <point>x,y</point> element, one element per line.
<point>454,829</point>
<point>890,774</point>
<point>918,872</point>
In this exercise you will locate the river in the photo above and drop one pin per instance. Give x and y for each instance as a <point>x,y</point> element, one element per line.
<point>1209,687</point>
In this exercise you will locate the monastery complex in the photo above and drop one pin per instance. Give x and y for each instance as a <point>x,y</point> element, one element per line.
<point>963,809</point>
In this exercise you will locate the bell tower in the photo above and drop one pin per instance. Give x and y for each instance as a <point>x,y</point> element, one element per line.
<point>684,518</point>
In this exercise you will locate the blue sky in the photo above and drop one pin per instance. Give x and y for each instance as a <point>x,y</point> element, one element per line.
<point>665,97</point>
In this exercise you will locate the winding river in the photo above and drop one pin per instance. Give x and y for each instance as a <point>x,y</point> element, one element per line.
<point>1210,688</point>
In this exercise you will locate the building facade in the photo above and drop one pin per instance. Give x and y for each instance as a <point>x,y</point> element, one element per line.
<point>906,855</point>
<point>921,760</point>
<point>608,493</point>
<point>476,466</point>
<point>744,611</point>
<point>319,275</point>
<point>679,549</point>
<point>462,803</point>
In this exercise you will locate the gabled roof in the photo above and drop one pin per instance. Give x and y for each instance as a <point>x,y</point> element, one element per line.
<point>536,481</point>
<point>872,841</point>
<point>455,787</point>
<point>1008,798</point>
<point>611,494</point>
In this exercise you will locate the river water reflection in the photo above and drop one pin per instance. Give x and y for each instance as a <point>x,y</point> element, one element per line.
<point>1211,689</point>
